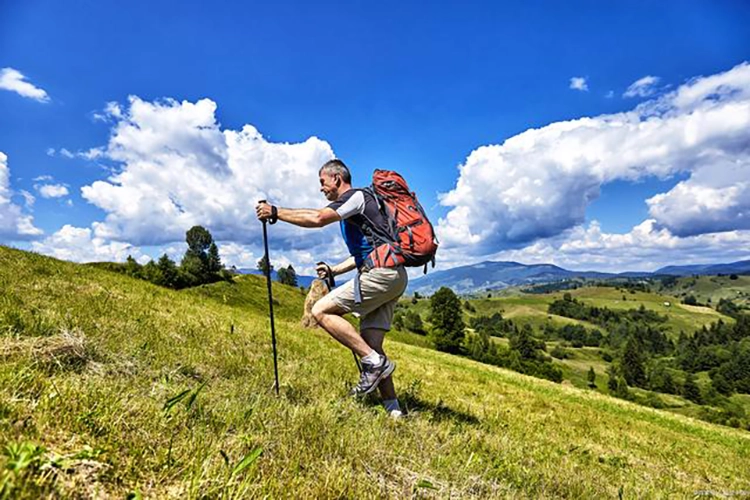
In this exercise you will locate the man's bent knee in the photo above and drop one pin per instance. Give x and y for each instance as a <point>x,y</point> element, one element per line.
<point>324,307</point>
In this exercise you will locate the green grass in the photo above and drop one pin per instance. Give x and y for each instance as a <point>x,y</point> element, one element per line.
<point>532,308</point>
<point>132,388</point>
<point>713,288</point>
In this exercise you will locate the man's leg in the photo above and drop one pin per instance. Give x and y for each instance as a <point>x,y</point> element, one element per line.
<point>328,315</point>
<point>374,338</point>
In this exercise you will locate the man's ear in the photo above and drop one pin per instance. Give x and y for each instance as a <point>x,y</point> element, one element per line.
<point>338,180</point>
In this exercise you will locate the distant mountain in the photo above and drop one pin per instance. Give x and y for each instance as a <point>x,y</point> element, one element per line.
<point>301,280</point>
<point>494,276</point>
<point>498,275</point>
<point>740,267</point>
<point>491,275</point>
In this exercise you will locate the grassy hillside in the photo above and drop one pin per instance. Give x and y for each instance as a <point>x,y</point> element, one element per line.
<point>530,308</point>
<point>711,289</point>
<point>524,308</point>
<point>111,386</point>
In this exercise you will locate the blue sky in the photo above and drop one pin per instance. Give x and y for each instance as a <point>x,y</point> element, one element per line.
<point>410,86</point>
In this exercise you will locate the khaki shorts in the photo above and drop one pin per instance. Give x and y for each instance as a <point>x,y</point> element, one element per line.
<point>381,288</point>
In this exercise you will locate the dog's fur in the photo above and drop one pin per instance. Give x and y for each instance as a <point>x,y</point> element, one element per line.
<point>318,290</point>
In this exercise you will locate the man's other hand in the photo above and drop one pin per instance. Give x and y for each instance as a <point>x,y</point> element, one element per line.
<point>323,270</point>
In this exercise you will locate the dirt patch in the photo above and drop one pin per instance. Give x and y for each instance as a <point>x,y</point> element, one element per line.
<point>697,309</point>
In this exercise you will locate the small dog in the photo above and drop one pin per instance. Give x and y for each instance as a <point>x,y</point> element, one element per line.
<point>318,290</point>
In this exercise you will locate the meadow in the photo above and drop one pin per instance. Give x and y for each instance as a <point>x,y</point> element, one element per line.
<point>114,387</point>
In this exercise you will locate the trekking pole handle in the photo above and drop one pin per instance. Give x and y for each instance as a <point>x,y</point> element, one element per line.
<point>328,278</point>
<point>273,219</point>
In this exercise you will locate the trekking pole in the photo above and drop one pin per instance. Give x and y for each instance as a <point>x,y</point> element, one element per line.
<point>270,303</point>
<point>356,360</point>
<point>331,284</point>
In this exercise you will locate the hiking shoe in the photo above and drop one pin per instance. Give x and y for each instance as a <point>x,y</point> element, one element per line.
<point>371,376</point>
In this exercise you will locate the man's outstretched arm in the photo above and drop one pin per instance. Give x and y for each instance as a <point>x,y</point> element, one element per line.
<point>303,217</point>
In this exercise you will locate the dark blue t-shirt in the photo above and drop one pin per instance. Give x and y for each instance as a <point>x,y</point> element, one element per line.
<point>362,224</point>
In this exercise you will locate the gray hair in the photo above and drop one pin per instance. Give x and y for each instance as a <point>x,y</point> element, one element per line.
<point>337,166</point>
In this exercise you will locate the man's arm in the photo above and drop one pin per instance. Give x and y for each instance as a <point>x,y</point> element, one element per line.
<point>303,217</point>
<point>322,269</point>
<point>344,267</point>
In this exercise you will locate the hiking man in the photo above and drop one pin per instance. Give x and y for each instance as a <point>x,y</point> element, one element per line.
<point>373,294</point>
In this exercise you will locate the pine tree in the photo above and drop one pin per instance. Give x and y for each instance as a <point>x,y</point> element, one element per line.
<point>169,272</point>
<point>264,266</point>
<point>287,276</point>
<point>447,321</point>
<point>591,377</point>
<point>721,384</point>
<point>632,363</point>
<point>213,260</point>
<point>616,384</point>
<point>612,383</point>
<point>668,384</point>
<point>691,390</point>
<point>132,267</point>
<point>525,343</point>
<point>150,272</point>
<point>201,261</point>
<point>292,275</point>
<point>413,322</point>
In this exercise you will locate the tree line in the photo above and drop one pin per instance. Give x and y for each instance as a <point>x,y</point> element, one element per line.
<point>644,356</point>
<point>200,264</point>
<point>525,353</point>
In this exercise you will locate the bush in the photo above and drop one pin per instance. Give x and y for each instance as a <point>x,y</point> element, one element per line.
<point>691,391</point>
<point>690,300</point>
<point>591,377</point>
<point>559,352</point>
<point>413,321</point>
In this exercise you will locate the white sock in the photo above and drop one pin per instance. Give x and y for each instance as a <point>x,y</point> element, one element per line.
<point>372,359</point>
<point>391,404</point>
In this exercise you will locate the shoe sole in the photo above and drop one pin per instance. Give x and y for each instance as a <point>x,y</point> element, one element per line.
<point>386,373</point>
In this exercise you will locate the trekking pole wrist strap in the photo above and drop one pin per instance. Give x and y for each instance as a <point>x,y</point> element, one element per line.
<point>274,215</point>
<point>329,277</point>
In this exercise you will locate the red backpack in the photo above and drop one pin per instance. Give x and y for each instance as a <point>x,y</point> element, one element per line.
<point>412,241</point>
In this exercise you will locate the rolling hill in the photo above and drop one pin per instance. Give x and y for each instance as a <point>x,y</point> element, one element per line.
<point>113,387</point>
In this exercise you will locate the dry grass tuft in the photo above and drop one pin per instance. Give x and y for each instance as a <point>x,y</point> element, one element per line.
<point>68,350</point>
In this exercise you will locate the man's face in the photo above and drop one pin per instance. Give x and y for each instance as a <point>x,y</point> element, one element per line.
<point>329,185</point>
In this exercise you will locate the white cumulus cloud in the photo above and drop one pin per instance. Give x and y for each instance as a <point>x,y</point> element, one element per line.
<point>539,183</point>
<point>78,244</point>
<point>13,80</point>
<point>14,223</point>
<point>643,87</point>
<point>176,167</point>
<point>647,247</point>
<point>52,190</point>
<point>579,83</point>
